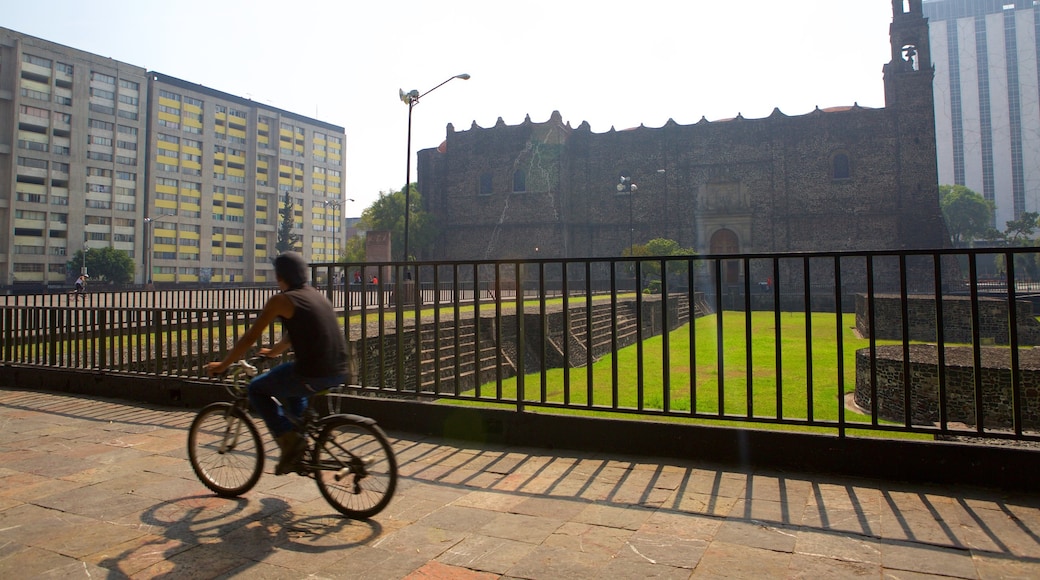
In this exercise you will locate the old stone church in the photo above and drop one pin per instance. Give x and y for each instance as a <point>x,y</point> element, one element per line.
<point>849,178</point>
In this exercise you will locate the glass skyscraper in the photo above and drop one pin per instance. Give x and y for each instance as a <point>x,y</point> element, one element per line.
<point>987,102</point>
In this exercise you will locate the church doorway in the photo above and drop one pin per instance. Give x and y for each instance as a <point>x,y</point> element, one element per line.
<point>725,241</point>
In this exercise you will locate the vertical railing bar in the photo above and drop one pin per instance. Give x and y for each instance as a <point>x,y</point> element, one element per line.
<point>477,373</point>
<point>413,291</point>
<point>498,332</point>
<point>719,350</point>
<point>589,346</point>
<point>810,396</point>
<point>976,341</point>
<point>872,342</point>
<point>437,301</point>
<point>940,340</point>
<point>520,271</point>
<point>691,280</point>
<point>905,320</point>
<point>749,366</point>
<point>565,339</point>
<point>1016,371</point>
<point>400,370</point>
<point>666,330</point>
<point>774,285</point>
<point>613,335</point>
<point>640,370</point>
<point>840,326</point>
<point>456,289</point>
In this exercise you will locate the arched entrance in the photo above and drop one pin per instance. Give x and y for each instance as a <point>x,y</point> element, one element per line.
<point>725,241</point>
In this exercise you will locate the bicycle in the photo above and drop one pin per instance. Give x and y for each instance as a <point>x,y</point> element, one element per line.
<point>348,455</point>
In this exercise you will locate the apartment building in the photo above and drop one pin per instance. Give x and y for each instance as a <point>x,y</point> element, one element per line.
<point>186,179</point>
<point>987,99</point>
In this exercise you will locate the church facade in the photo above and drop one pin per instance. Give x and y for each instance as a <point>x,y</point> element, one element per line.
<point>850,178</point>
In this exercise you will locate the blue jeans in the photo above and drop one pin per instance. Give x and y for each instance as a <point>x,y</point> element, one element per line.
<point>282,383</point>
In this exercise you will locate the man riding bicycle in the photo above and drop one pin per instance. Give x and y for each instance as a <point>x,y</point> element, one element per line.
<point>310,327</point>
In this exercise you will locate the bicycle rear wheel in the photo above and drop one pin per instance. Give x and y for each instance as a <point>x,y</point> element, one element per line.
<point>356,468</point>
<point>225,449</point>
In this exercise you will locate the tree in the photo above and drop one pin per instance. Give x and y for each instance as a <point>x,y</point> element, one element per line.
<point>104,264</point>
<point>968,215</point>
<point>387,214</point>
<point>287,240</point>
<point>354,251</point>
<point>651,269</point>
<point>1020,232</point>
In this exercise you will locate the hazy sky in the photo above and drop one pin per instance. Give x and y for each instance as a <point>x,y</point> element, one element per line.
<point>617,64</point>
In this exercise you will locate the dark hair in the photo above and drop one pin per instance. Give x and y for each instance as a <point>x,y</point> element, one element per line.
<point>292,268</point>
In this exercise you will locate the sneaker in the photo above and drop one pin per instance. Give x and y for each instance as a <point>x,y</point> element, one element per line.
<point>292,446</point>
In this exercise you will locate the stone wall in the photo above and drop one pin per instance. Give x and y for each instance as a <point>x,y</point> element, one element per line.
<point>996,380</point>
<point>957,319</point>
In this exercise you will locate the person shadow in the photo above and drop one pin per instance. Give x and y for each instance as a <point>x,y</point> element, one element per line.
<point>205,536</point>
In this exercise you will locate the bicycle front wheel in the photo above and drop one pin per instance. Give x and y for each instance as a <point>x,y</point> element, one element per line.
<point>356,468</point>
<point>225,449</point>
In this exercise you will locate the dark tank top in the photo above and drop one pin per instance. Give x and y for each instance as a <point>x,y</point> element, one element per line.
<point>316,337</point>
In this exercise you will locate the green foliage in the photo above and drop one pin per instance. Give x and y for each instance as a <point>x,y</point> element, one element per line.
<point>387,214</point>
<point>651,269</point>
<point>967,214</point>
<point>1020,232</point>
<point>354,251</point>
<point>104,264</point>
<point>287,240</point>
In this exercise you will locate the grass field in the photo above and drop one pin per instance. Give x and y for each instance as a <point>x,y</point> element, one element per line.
<point>755,380</point>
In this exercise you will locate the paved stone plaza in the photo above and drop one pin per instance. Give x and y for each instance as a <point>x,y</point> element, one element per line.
<point>98,488</point>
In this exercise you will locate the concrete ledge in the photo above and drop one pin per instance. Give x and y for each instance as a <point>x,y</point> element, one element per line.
<point>1002,467</point>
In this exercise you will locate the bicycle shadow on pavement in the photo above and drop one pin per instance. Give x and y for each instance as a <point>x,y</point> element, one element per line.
<point>206,536</point>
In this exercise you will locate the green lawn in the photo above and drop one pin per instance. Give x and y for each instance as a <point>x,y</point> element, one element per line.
<point>785,393</point>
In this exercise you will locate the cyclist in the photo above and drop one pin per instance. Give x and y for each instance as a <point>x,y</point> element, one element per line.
<point>310,328</point>
<point>81,286</point>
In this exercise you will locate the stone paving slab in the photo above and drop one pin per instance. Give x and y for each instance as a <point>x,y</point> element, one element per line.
<point>91,487</point>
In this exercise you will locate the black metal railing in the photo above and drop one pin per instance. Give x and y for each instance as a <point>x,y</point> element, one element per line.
<point>937,343</point>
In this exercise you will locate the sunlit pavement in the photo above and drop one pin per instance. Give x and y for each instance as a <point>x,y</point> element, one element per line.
<point>98,488</point>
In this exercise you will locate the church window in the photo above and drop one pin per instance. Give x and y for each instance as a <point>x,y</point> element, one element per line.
<point>840,167</point>
<point>519,181</point>
<point>485,184</point>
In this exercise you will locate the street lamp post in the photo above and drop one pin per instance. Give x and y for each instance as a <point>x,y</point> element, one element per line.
<point>149,222</point>
<point>411,98</point>
<point>337,222</point>
<point>625,185</point>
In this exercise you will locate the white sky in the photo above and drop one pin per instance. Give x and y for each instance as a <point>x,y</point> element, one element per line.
<point>617,64</point>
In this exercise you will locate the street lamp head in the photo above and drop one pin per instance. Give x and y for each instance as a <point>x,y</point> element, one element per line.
<point>410,97</point>
<point>463,76</point>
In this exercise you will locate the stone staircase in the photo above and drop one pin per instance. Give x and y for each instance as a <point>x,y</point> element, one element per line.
<point>460,358</point>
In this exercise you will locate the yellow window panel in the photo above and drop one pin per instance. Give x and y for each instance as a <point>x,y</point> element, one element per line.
<point>169,103</point>
<point>166,204</point>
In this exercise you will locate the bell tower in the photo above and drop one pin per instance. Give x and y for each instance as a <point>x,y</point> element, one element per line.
<point>909,101</point>
<point>908,76</point>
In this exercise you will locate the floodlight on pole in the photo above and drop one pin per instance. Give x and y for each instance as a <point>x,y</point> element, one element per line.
<point>150,241</point>
<point>411,98</point>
